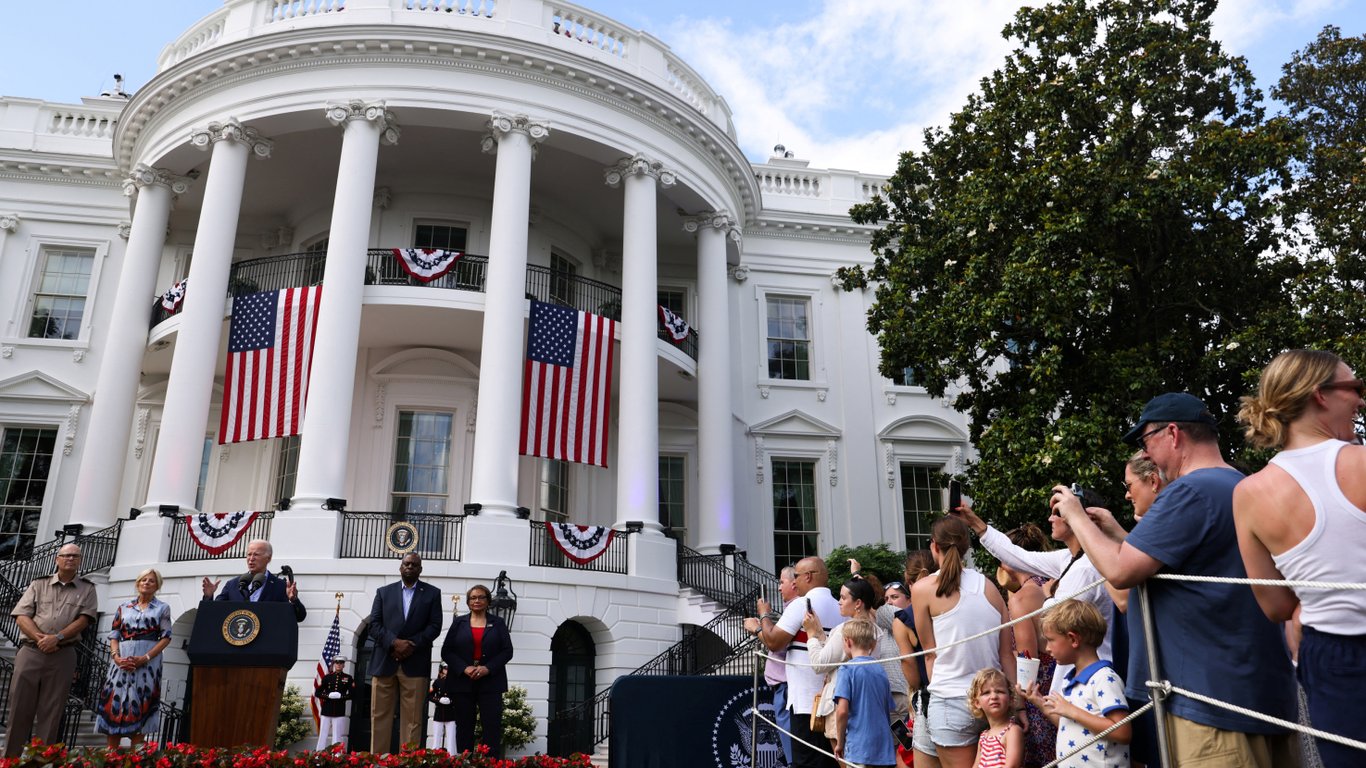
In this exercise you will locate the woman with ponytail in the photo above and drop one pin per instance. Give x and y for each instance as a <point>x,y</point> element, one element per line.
<point>1303,518</point>
<point>952,604</point>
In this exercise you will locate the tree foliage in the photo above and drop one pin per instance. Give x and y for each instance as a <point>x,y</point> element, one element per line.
<point>1096,226</point>
<point>880,559</point>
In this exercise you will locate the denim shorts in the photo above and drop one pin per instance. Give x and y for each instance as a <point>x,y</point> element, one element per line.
<point>951,724</point>
<point>920,729</point>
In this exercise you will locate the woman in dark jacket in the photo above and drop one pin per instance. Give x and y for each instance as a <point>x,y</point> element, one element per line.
<point>477,650</point>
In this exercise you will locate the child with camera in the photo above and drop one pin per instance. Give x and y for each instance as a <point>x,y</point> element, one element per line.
<point>863,702</point>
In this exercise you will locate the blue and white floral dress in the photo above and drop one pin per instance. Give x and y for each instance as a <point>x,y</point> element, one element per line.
<point>130,699</point>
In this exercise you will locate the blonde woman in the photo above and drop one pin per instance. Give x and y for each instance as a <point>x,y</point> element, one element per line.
<point>1303,518</point>
<point>130,701</point>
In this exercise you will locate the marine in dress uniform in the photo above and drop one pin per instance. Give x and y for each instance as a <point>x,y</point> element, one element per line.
<point>333,692</point>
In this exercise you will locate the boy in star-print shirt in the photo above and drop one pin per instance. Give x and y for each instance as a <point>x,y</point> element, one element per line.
<point>1092,698</point>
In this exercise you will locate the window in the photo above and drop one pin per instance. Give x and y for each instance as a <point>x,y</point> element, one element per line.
<point>554,487</point>
<point>676,299</point>
<point>287,467</point>
<point>203,483</point>
<point>905,378</point>
<point>25,460</point>
<point>671,498</point>
<point>922,499</point>
<point>316,263</point>
<point>422,460</point>
<point>795,532</point>
<point>562,280</point>
<point>449,237</point>
<point>789,338</point>
<point>59,301</point>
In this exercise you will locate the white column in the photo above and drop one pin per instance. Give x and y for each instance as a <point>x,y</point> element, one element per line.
<point>638,402</point>
<point>327,412</point>
<point>111,414</point>
<point>715,479</point>
<point>498,423</point>
<point>184,418</point>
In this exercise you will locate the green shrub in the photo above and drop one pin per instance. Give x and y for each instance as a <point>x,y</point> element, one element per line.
<point>292,725</point>
<point>877,558</point>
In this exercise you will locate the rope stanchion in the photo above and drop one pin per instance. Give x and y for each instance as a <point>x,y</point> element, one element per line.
<point>1260,582</point>
<point>1326,736</point>
<point>1101,735</point>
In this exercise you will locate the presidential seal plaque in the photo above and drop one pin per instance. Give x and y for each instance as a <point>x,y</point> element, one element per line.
<point>401,538</point>
<point>241,627</point>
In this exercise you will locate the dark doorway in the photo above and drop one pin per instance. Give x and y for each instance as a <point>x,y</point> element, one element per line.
<point>573,674</point>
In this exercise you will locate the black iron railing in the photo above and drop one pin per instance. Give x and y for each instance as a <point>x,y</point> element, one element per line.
<point>368,535</point>
<point>97,553</point>
<point>184,548</point>
<point>382,267</point>
<point>544,551</point>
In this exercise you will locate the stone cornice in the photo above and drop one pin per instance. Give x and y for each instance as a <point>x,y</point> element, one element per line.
<point>41,169</point>
<point>265,55</point>
<point>806,229</point>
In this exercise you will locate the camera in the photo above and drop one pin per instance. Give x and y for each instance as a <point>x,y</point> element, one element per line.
<point>1088,497</point>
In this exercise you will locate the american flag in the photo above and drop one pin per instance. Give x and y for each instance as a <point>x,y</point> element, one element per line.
<point>270,347</point>
<point>330,649</point>
<point>567,390</point>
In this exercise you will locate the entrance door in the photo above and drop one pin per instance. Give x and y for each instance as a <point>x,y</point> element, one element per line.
<point>573,672</point>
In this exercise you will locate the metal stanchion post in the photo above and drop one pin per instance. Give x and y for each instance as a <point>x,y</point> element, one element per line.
<point>1154,673</point>
<point>754,713</point>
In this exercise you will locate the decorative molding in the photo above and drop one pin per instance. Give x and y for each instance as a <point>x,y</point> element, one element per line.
<point>890,394</point>
<point>381,391</point>
<point>638,165</point>
<point>384,197</point>
<point>125,229</point>
<point>501,124</point>
<point>889,459</point>
<point>7,351</point>
<point>740,274</point>
<point>957,461</point>
<point>223,451</point>
<point>77,355</point>
<point>232,130</point>
<point>764,392</point>
<point>472,416</point>
<point>606,261</point>
<point>140,420</point>
<point>145,176</point>
<point>9,221</point>
<point>759,459</point>
<point>279,237</point>
<point>832,455</point>
<point>821,394</point>
<point>73,421</point>
<point>371,111</point>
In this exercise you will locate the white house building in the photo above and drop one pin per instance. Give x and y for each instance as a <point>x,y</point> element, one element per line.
<point>287,143</point>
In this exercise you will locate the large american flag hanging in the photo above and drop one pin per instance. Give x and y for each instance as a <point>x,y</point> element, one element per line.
<point>567,391</point>
<point>270,348</point>
<point>330,650</point>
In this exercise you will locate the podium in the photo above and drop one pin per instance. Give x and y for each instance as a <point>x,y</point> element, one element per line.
<point>240,654</point>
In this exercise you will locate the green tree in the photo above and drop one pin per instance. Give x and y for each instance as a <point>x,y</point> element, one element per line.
<point>879,559</point>
<point>1087,231</point>
<point>1323,88</point>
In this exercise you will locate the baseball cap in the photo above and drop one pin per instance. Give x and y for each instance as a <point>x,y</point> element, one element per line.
<point>1171,406</point>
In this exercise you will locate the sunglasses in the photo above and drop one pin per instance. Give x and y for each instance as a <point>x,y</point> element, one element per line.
<point>1356,385</point>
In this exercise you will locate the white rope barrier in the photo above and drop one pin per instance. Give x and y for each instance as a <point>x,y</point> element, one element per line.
<point>1343,740</point>
<point>1259,582</point>
<point>798,739</point>
<point>1101,735</point>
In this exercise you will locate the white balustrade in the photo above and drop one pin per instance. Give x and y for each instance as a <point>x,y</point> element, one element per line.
<point>66,122</point>
<point>203,35</point>
<point>484,8</point>
<point>283,10</point>
<point>589,28</point>
<point>789,183</point>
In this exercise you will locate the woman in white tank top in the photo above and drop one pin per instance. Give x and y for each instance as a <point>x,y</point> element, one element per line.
<point>950,605</point>
<point>1303,518</point>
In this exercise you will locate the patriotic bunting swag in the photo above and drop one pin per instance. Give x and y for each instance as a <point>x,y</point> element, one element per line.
<point>170,300</point>
<point>215,533</point>
<point>676,326</point>
<point>581,543</point>
<point>426,264</point>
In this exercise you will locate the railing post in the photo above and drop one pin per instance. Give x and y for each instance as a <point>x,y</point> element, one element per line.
<point>1158,695</point>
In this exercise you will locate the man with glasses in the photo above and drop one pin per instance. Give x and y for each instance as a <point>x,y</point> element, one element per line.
<point>803,683</point>
<point>1212,639</point>
<point>51,616</point>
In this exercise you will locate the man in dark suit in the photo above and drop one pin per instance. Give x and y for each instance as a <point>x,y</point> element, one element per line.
<point>258,584</point>
<point>404,622</point>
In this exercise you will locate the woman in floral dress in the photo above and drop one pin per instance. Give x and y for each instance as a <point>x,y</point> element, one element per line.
<point>131,697</point>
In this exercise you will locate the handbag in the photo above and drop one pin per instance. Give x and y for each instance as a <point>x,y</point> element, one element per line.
<point>823,706</point>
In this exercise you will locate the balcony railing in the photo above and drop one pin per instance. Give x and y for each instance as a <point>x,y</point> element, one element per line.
<point>545,552</point>
<point>183,548</point>
<point>273,273</point>
<point>370,535</point>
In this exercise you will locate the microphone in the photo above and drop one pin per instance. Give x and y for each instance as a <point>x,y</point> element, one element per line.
<point>256,580</point>
<point>288,573</point>
<point>242,582</point>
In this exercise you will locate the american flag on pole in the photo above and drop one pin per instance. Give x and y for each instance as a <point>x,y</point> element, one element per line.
<point>270,348</point>
<point>567,390</point>
<point>330,649</point>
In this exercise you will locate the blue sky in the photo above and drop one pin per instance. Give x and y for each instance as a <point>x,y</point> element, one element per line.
<point>843,84</point>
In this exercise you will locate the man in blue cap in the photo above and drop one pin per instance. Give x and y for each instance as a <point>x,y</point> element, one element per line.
<point>1212,639</point>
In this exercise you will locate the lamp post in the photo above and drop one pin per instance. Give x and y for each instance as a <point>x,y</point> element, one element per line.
<point>504,602</point>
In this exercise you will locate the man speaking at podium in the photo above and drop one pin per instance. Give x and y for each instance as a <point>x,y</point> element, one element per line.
<point>258,584</point>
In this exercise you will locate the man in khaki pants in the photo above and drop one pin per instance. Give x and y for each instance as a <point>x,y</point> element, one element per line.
<point>405,620</point>
<point>51,616</point>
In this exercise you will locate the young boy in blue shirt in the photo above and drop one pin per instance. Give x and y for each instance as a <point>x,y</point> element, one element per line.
<point>863,702</point>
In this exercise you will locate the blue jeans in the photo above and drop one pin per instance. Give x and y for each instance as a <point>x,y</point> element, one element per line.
<point>1332,669</point>
<point>783,718</point>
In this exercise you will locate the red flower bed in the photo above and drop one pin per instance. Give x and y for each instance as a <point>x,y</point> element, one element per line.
<point>39,755</point>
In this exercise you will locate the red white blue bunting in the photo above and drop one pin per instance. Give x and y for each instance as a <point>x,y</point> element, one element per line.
<point>215,533</point>
<point>170,300</point>
<point>426,264</point>
<point>676,326</point>
<point>581,543</point>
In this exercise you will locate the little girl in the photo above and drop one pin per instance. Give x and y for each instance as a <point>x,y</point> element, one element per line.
<point>1001,745</point>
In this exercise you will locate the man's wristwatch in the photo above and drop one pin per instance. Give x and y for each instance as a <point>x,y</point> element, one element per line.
<point>60,637</point>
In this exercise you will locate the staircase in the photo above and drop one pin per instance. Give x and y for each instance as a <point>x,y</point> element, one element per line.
<point>93,658</point>
<point>719,647</point>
